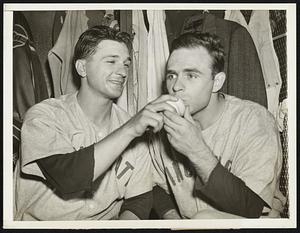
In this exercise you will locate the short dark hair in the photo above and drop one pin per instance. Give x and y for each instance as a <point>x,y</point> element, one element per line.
<point>88,40</point>
<point>210,42</point>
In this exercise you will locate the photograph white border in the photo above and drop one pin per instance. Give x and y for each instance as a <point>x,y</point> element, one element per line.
<point>173,224</point>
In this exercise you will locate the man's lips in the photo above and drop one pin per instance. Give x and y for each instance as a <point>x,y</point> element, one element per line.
<point>182,98</point>
<point>117,82</point>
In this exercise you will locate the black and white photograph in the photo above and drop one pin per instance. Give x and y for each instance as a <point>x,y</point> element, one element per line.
<point>178,116</point>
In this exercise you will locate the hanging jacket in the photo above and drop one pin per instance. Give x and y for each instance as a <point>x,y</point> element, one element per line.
<point>60,57</point>
<point>260,30</point>
<point>242,66</point>
<point>58,23</point>
<point>29,84</point>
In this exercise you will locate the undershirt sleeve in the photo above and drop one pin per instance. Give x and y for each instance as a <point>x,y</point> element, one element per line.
<point>71,172</point>
<point>139,205</point>
<point>230,194</point>
<point>162,202</point>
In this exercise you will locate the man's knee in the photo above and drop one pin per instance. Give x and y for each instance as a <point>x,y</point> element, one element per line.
<point>206,214</point>
<point>214,214</point>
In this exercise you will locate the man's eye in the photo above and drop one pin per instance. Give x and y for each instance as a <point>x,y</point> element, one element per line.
<point>192,76</point>
<point>171,76</point>
<point>111,61</point>
<point>126,65</point>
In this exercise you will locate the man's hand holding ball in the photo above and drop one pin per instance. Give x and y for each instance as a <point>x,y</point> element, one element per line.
<point>178,105</point>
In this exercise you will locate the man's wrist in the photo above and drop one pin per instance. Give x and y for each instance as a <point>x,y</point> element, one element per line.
<point>204,162</point>
<point>127,132</point>
<point>199,150</point>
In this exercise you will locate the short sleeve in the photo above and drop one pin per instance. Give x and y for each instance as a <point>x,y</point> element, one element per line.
<point>141,179</point>
<point>258,162</point>
<point>41,136</point>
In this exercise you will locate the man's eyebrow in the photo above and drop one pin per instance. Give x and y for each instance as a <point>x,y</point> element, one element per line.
<point>116,56</point>
<point>170,72</point>
<point>193,70</point>
<point>112,56</point>
<point>185,70</point>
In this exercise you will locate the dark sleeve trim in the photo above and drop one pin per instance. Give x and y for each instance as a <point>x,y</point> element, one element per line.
<point>162,202</point>
<point>230,194</point>
<point>71,172</point>
<point>139,205</point>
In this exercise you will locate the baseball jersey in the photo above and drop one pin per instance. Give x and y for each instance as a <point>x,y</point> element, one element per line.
<point>58,126</point>
<point>245,141</point>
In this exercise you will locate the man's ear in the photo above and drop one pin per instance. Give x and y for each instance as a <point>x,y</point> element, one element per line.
<point>219,81</point>
<point>80,67</point>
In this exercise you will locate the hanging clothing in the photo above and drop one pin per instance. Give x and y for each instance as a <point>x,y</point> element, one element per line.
<point>60,56</point>
<point>260,30</point>
<point>282,114</point>
<point>158,52</point>
<point>29,83</point>
<point>150,54</point>
<point>242,66</point>
<point>58,23</point>
<point>140,57</point>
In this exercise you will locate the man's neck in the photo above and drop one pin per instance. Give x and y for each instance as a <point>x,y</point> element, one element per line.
<point>209,115</point>
<point>95,107</point>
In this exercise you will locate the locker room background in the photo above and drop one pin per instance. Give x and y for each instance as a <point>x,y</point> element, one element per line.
<point>45,27</point>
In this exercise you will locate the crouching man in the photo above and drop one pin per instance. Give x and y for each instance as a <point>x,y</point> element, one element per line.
<point>82,155</point>
<point>222,158</point>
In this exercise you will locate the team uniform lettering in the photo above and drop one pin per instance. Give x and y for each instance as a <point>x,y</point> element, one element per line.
<point>187,172</point>
<point>118,162</point>
<point>128,166</point>
<point>177,171</point>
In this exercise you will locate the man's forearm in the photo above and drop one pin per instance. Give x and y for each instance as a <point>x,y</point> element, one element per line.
<point>204,162</point>
<point>109,149</point>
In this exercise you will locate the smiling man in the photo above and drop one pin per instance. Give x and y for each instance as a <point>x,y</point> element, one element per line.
<point>222,159</point>
<point>82,156</point>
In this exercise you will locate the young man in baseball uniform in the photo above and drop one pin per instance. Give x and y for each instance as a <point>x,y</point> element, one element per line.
<point>222,158</point>
<point>80,159</point>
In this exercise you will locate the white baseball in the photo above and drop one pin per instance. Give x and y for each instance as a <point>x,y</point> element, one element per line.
<point>178,105</point>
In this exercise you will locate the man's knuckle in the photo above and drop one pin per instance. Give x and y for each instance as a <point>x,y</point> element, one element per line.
<point>160,118</point>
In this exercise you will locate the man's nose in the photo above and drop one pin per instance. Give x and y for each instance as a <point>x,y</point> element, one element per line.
<point>178,85</point>
<point>122,70</point>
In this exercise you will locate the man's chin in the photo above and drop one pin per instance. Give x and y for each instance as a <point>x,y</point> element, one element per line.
<point>115,94</point>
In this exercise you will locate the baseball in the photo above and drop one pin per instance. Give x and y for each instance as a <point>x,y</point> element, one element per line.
<point>178,105</point>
